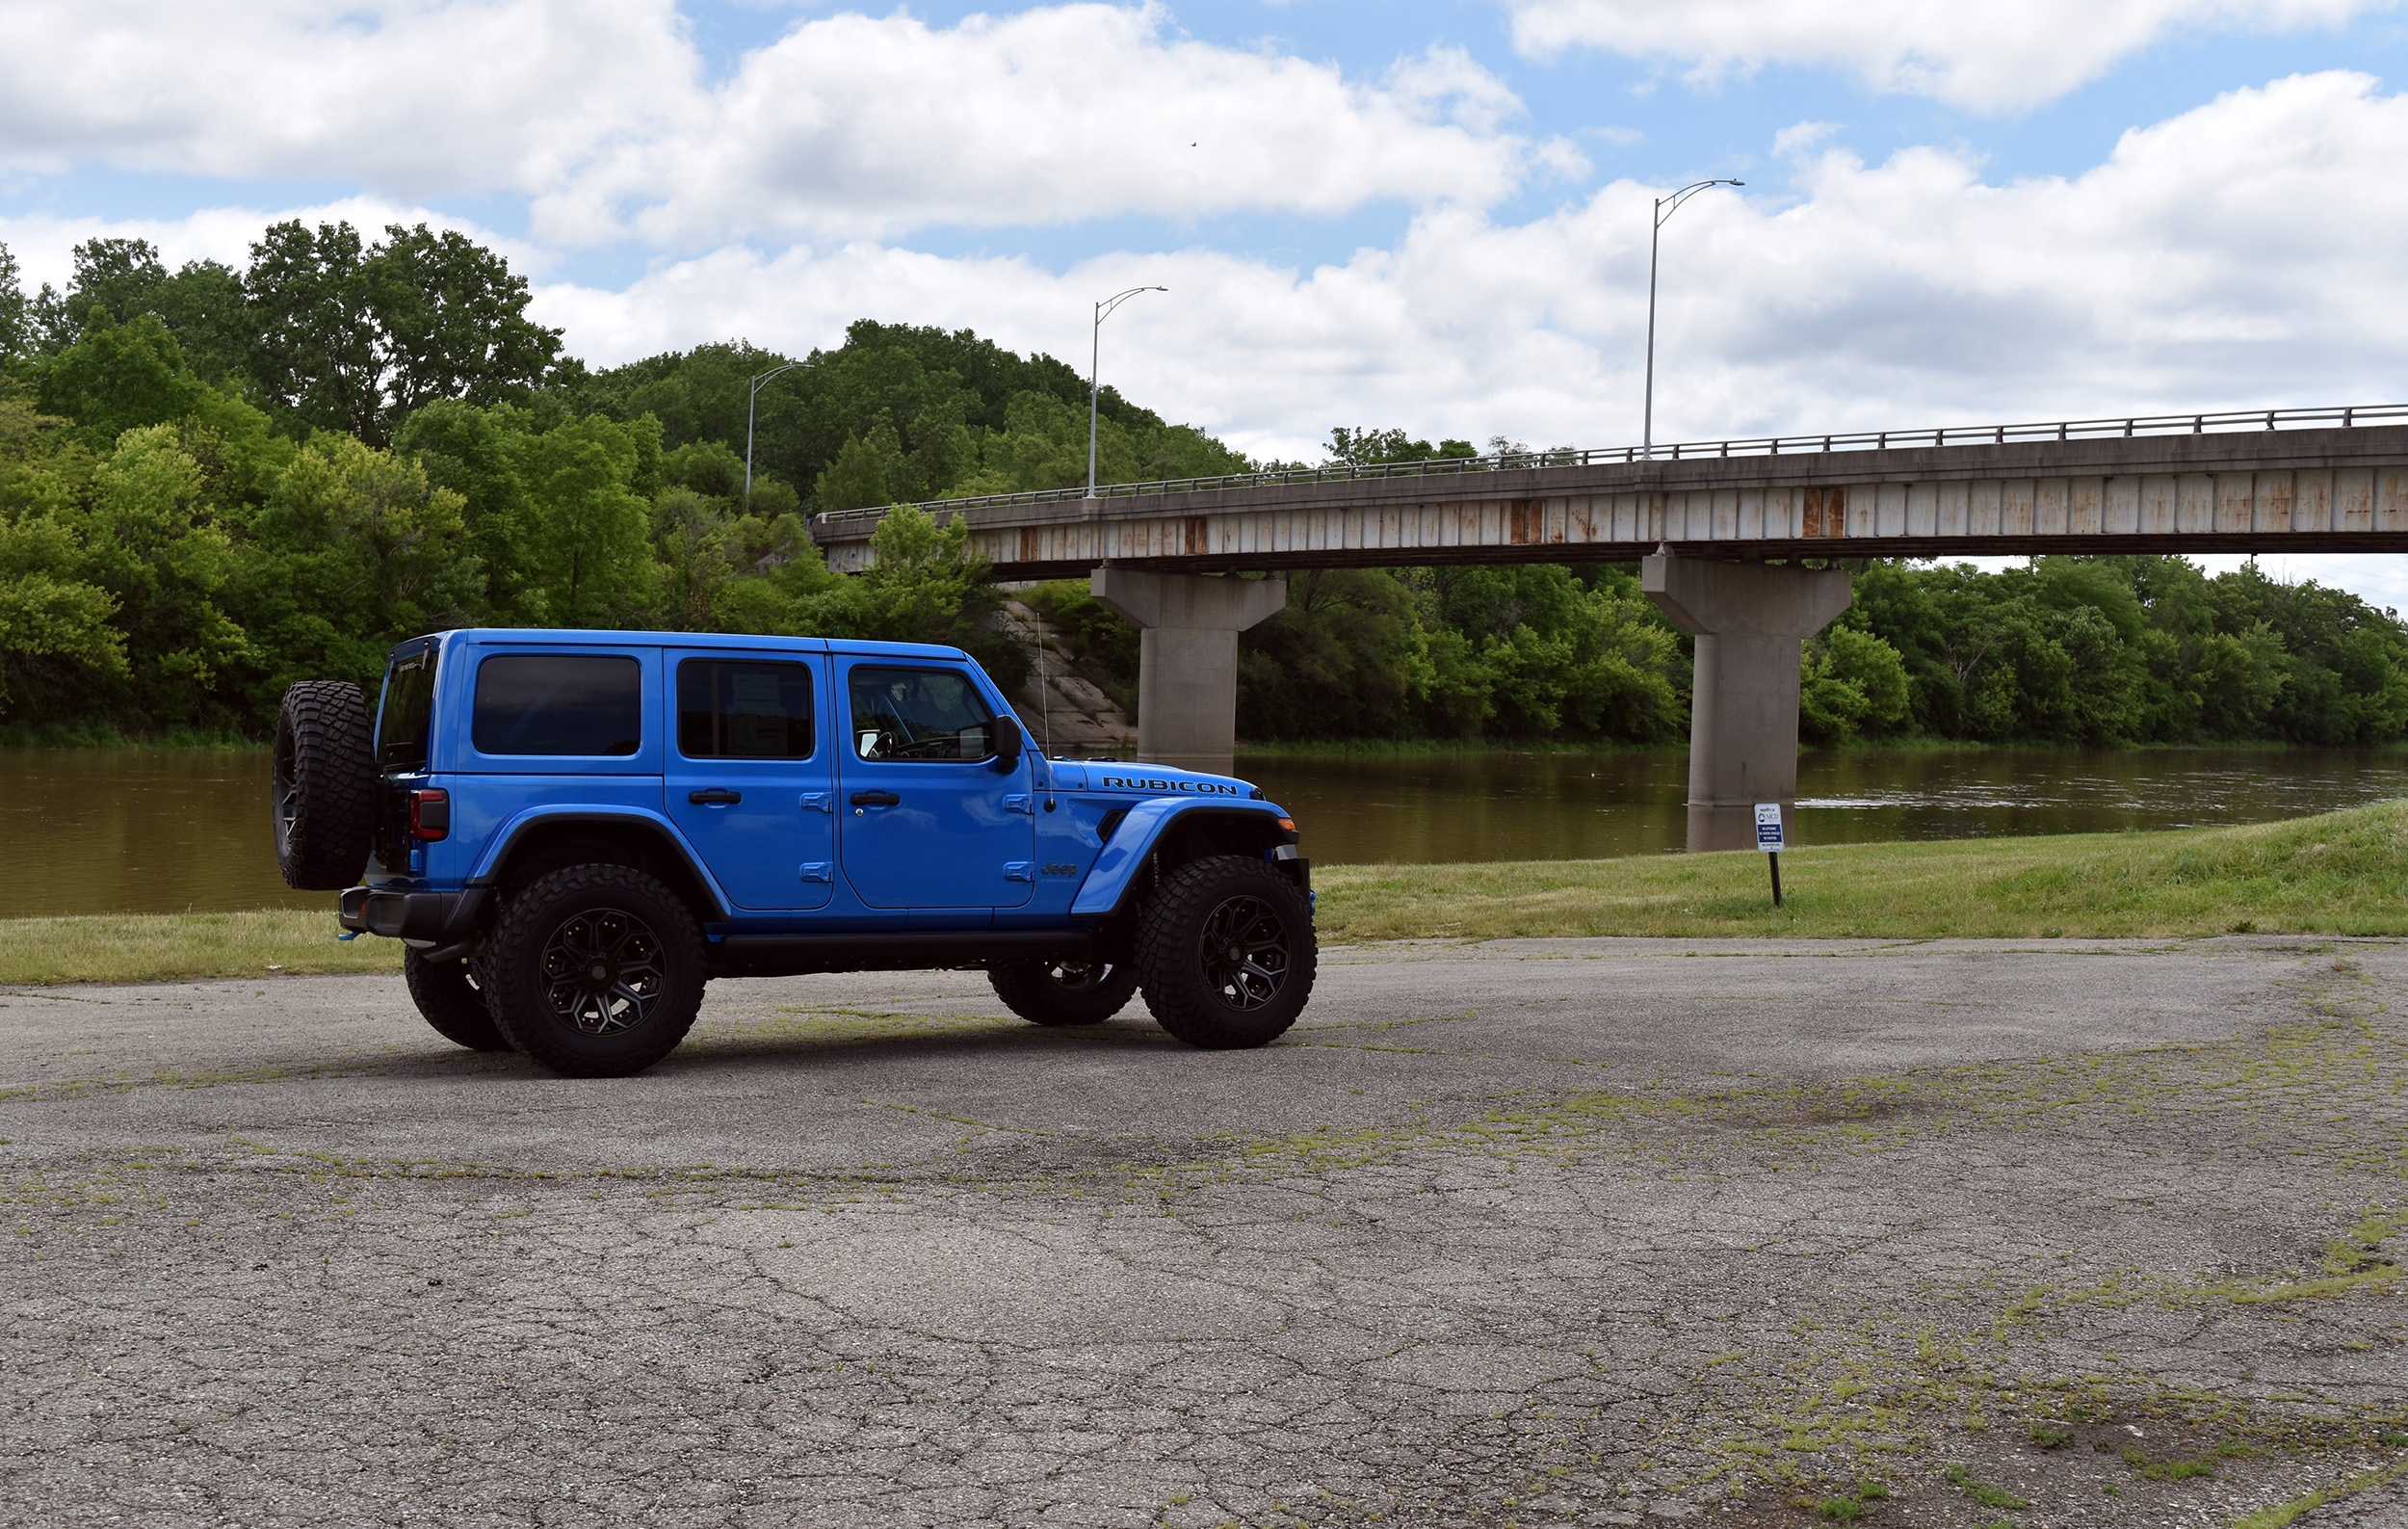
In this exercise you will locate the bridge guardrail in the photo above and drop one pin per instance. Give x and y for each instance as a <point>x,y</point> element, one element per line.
<point>2343,415</point>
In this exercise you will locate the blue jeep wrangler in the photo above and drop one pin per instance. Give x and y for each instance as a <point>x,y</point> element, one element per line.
<point>573,832</point>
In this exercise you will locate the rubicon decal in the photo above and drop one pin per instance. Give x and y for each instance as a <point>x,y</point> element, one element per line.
<point>1202,788</point>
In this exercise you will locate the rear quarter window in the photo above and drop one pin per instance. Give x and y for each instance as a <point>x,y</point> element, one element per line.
<point>578,704</point>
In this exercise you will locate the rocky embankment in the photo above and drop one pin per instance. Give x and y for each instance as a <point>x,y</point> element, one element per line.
<point>1061,704</point>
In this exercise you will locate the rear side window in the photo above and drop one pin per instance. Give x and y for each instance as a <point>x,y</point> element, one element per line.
<point>558,703</point>
<point>407,712</point>
<point>919,714</point>
<point>733,709</point>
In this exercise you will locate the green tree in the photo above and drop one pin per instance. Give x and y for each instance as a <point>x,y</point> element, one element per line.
<point>16,329</point>
<point>60,643</point>
<point>1357,447</point>
<point>117,378</point>
<point>200,304</point>
<point>583,542</point>
<point>1850,682</point>
<point>154,541</point>
<point>352,552</point>
<point>355,338</point>
<point>927,584</point>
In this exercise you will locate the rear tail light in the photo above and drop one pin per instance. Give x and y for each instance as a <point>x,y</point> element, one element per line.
<point>430,814</point>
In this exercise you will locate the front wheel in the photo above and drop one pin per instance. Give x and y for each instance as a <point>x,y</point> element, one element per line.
<point>1063,993</point>
<point>594,971</point>
<point>1226,953</point>
<point>446,994</point>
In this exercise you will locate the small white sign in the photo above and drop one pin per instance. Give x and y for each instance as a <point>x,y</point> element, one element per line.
<point>1769,827</point>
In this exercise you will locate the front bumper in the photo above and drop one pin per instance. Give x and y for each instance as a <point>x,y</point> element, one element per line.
<point>439,918</point>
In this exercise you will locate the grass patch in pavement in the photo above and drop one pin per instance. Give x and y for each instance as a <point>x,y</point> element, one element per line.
<point>2339,873</point>
<point>162,947</point>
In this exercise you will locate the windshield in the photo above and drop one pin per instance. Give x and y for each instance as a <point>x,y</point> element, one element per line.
<point>409,709</point>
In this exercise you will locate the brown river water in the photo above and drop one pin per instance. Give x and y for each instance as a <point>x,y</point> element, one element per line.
<point>137,831</point>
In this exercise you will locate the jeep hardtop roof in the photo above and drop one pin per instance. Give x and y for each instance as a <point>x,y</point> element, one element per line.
<point>583,637</point>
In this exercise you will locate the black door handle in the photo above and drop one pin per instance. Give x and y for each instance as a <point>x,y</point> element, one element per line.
<point>875,798</point>
<point>716,797</point>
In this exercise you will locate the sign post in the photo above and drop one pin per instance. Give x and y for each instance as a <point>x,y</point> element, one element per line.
<point>1768,840</point>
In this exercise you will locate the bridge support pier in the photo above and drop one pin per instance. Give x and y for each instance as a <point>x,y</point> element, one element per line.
<point>1187,657</point>
<point>1749,620</point>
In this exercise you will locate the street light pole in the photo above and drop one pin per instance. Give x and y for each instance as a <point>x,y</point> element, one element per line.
<point>1095,349</point>
<point>1666,208</point>
<point>752,399</point>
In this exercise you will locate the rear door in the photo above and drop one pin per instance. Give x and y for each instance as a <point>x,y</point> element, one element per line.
<point>746,774</point>
<point>925,820</point>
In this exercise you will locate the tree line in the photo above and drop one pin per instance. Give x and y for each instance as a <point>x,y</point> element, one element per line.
<point>213,482</point>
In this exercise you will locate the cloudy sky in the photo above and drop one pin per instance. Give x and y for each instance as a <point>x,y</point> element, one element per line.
<point>1425,213</point>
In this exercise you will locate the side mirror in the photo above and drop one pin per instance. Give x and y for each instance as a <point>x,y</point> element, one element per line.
<point>1010,740</point>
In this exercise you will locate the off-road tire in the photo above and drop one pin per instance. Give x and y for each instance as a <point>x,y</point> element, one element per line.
<point>1198,913</point>
<point>1063,993</point>
<point>537,965</point>
<point>323,790</point>
<point>448,996</point>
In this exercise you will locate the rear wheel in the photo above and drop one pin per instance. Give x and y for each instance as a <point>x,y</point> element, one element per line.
<point>594,971</point>
<point>1226,953</point>
<point>1064,992</point>
<point>323,785</point>
<point>446,994</point>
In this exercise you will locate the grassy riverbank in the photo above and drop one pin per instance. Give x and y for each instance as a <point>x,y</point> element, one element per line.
<point>165,947</point>
<point>2342,873</point>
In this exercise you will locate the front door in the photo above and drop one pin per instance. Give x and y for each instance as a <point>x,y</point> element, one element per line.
<point>747,777</point>
<point>925,818</point>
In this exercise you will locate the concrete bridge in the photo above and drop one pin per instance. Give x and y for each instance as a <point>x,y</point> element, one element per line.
<point>1724,530</point>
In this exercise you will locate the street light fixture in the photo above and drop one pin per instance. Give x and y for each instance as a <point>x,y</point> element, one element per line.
<point>1666,208</point>
<point>751,398</point>
<point>1095,342</point>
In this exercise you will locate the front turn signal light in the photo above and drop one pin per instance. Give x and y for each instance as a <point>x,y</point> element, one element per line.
<point>1288,824</point>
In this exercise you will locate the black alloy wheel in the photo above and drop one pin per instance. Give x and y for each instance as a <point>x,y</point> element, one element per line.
<point>1226,952</point>
<point>602,972</point>
<point>1244,951</point>
<point>594,971</point>
<point>1064,992</point>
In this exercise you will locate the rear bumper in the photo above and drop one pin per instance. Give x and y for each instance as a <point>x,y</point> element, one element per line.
<point>441,918</point>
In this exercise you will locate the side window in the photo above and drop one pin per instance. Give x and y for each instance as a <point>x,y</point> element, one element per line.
<point>730,709</point>
<point>931,714</point>
<point>558,703</point>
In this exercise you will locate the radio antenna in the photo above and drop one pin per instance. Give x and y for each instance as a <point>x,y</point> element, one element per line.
<point>1044,691</point>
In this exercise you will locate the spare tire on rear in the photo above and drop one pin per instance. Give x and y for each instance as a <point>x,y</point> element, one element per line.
<point>323,795</point>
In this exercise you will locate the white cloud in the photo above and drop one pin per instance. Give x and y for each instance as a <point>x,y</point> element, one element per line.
<point>408,96</point>
<point>859,126</point>
<point>847,125</point>
<point>1987,55</point>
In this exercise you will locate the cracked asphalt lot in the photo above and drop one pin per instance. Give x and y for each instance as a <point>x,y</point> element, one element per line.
<point>1524,1232</point>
